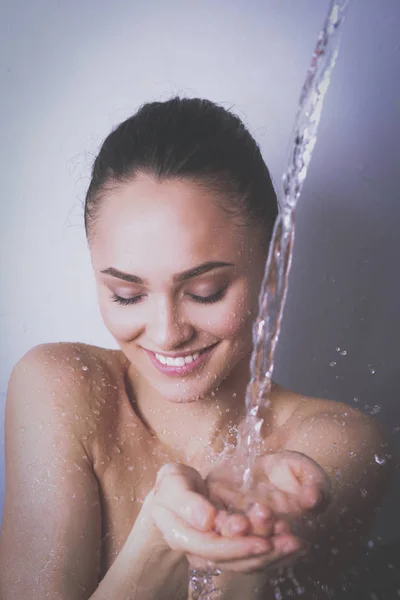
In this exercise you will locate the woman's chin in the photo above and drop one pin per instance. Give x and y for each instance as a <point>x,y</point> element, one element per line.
<point>186,396</point>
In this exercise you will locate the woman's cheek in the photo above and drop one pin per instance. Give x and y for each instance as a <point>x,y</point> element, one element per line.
<point>121,321</point>
<point>230,318</point>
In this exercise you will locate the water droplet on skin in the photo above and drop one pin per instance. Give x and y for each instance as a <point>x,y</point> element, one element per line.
<point>343,352</point>
<point>371,370</point>
<point>332,364</point>
<point>338,349</point>
<point>84,368</point>
<point>380,460</point>
<point>364,492</point>
<point>355,399</point>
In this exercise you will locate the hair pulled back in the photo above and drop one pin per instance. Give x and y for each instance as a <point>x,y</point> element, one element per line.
<point>191,139</point>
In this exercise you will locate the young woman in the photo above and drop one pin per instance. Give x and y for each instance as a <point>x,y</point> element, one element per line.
<point>111,493</point>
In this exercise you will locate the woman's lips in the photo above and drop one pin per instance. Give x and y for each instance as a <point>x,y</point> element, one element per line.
<point>186,368</point>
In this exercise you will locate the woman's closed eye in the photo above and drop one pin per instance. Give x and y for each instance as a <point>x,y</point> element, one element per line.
<point>125,301</point>
<point>211,298</point>
<point>201,299</point>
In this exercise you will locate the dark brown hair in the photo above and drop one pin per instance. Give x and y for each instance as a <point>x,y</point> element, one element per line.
<point>192,139</point>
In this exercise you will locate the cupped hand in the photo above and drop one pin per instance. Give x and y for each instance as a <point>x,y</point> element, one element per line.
<point>288,490</point>
<point>209,535</point>
<point>289,484</point>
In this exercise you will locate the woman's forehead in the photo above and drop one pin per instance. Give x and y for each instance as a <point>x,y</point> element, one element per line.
<point>158,229</point>
<point>167,214</point>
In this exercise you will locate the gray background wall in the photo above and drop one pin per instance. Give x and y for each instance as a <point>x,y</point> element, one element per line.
<point>69,71</point>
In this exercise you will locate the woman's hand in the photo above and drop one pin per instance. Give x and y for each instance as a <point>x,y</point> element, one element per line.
<point>193,523</point>
<point>289,483</point>
<point>289,489</point>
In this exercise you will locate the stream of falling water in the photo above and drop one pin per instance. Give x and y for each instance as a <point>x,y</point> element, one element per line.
<point>274,286</point>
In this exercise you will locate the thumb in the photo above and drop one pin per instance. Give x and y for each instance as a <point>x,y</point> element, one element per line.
<point>182,490</point>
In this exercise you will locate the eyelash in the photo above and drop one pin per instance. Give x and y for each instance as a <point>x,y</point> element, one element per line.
<point>200,299</point>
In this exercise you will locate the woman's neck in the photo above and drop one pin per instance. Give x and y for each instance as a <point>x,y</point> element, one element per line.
<point>192,431</point>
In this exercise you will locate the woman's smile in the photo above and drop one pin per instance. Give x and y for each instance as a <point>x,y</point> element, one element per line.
<point>180,364</point>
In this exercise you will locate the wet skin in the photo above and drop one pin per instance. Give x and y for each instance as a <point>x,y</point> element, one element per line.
<point>92,429</point>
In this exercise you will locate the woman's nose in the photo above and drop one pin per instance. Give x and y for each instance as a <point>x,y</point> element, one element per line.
<point>169,329</point>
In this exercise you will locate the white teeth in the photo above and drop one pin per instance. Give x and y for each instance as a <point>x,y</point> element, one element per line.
<point>179,361</point>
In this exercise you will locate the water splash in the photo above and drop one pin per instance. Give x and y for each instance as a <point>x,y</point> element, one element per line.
<point>274,286</point>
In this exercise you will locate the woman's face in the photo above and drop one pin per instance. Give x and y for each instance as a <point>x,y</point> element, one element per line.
<point>178,283</point>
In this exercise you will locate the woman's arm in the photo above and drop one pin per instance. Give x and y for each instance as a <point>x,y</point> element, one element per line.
<point>50,543</point>
<point>51,540</point>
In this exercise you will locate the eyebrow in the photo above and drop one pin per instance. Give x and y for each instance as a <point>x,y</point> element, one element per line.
<point>184,276</point>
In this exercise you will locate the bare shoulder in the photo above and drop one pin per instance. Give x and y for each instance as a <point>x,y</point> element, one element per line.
<point>70,380</point>
<point>333,432</point>
<point>298,410</point>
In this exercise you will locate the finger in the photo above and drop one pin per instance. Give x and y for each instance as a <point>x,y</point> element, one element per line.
<point>286,554</point>
<point>278,469</point>
<point>292,471</point>
<point>280,502</point>
<point>313,498</point>
<point>281,526</point>
<point>248,565</point>
<point>262,519</point>
<point>179,488</point>
<point>230,525</point>
<point>286,543</point>
<point>208,545</point>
